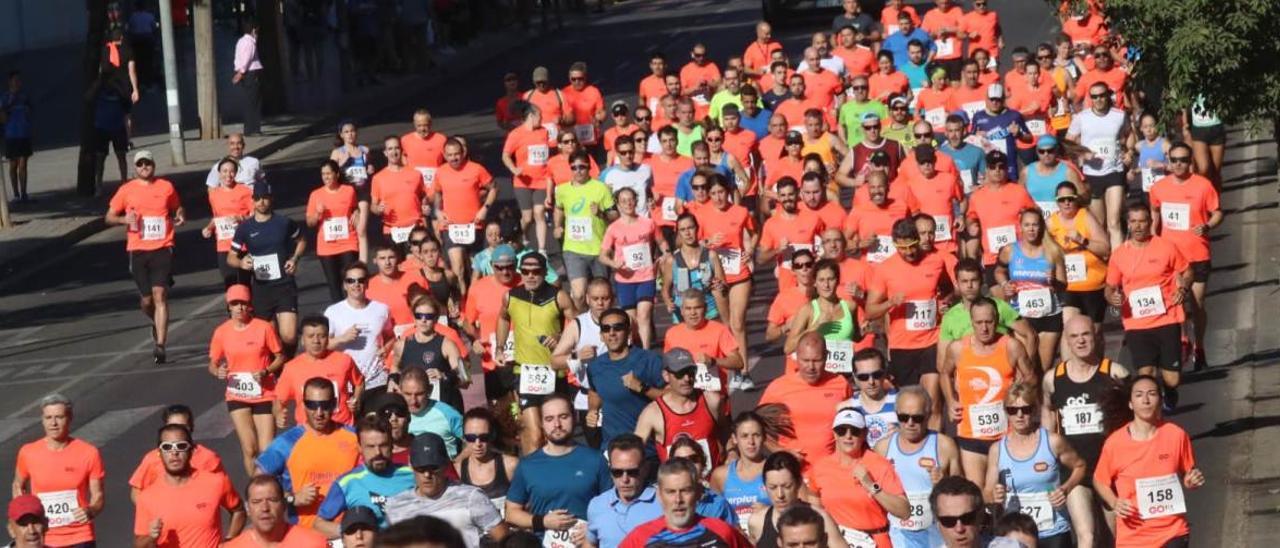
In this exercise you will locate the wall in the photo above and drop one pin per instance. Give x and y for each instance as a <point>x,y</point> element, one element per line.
<point>36,24</point>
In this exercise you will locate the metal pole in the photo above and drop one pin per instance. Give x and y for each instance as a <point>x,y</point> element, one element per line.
<point>176,145</point>
<point>5,221</point>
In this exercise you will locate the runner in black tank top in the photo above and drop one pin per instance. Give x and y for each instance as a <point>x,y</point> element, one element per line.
<point>769,531</point>
<point>429,355</point>
<point>1079,414</point>
<point>494,489</point>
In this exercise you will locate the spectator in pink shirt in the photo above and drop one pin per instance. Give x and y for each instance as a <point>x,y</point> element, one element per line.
<point>248,79</point>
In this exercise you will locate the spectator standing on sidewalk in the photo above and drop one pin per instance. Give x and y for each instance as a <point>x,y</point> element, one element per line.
<point>247,78</point>
<point>118,74</point>
<point>414,15</point>
<point>142,32</point>
<point>15,117</point>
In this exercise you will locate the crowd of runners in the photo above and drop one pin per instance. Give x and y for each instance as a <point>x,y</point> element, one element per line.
<point>943,239</point>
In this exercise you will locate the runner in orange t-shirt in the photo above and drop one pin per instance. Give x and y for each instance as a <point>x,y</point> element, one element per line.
<point>939,194</point>
<point>463,195</point>
<point>151,468</point>
<point>813,198</point>
<point>149,209</point>
<point>65,473</point>
<point>1104,71</point>
<point>1142,471</point>
<point>245,355</point>
<point>317,360</point>
<point>811,395</point>
<point>945,23</point>
<point>759,53</point>
<point>993,213</point>
<point>710,342</point>
<point>229,203</point>
<point>869,225</point>
<point>982,27</point>
<point>333,211</point>
<point>1184,208</point>
<point>398,194</point>
<point>858,59</point>
<point>653,87</point>
<point>390,286</point>
<point>860,508</point>
<point>525,154</point>
<point>181,509</point>
<point>971,95</point>
<point>1149,279</point>
<point>585,104</point>
<point>502,108</point>
<point>667,166</point>
<point>889,16</point>
<point>423,148</point>
<point>789,229</point>
<point>789,299</point>
<point>888,80</point>
<point>549,100</point>
<point>480,312</point>
<point>699,71</point>
<point>268,523</point>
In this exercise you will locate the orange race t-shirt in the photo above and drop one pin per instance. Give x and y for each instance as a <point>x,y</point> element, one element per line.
<point>402,192</point>
<point>294,537</point>
<point>936,196</point>
<point>1124,461</point>
<point>666,172</point>
<point>227,204</point>
<point>889,18</point>
<point>155,203</point>
<point>561,173</point>
<point>742,144</point>
<point>867,219</point>
<point>1182,206</point>
<point>1085,32</point>
<point>936,19</point>
<point>997,209</point>
<point>831,213</point>
<point>423,152</point>
<point>844,498</point>
<point>757,56</point>
<point>1115,78</point>
<point>611,136</point>
<point>584,105</point>
<point>337,367</point>
<point>986,27</point>
<point>823,86</point>
<point>394,292</point>
<point>531,149</point>
<point>692,75</point>
<point>336,232</point>
<point>858,60</point>
<point>882,85</point>
<point>968,99</point>
<point>812,408</point>
<point>462,191</point>
<point>797,232</point>
<point>1139,271</point>
<point>189,513</point>
<point>729,224</point>
<point>151,467</point>
<point>713,339</point>
<point>550,102</point>
<point>651,90</point>
<point>246,351</point>
<point>483,306</point>
<point>914,323</point>
<point>57,476</point>
<point>301,456</point>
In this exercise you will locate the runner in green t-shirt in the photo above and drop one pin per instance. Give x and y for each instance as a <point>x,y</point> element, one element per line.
<point>956,322</point>
<point>852,111</point>
<point>580,222</point>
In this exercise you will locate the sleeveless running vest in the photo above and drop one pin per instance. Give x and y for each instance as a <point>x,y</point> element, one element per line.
<point>981,383</point>
<point>534,315</point>
<point>683,277</point>
<point>917,530</point>
<point>430,355</point>
<point>1029,482</point>
<point>698,424</point>
<point>1032,279</point>
<point>1079,411</point>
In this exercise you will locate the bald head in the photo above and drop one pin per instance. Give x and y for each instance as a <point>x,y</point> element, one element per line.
<point>763,30</point>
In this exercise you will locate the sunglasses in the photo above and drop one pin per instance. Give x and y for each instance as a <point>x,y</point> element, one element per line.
<point>1044,57</point>
<point>801,266</point>
<point>1179,159</point>
<point>1044,151</point>
<point>472,438</point>
<point>356,280</point>
<point>424,316</point>
<point>869,128</point>
<point>923,135</point>
<point>320,405</point>
<point>580,167</point>
<point>908,418</point>
<point>1018,410</point>
<point>620,327</point>
<point>699,187</point>
<point>175,446</point>
<point>394,411</point>
<point>864,377</point>
<point>626,152</point>
<point>858,88</point>
<point>1066,199</point>
<point>531,271</point>
<point>846,430</point>
<point>714,140</point>
<point>899,109</point>
<point>1096,96</point>
<point>967,518</point>
<point>619,472</point>
<point>687,372</point>
<point>504,267</point>
<point>568,141</point>
<point>643,118</point>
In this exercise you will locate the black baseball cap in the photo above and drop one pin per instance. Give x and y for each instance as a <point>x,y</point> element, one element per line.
<point>880,158</point>
<point>428,450</point>
<point>359,516</point>
<point>262,190</point>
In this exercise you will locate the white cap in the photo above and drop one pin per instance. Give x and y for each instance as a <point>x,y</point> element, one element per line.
<point>995,91</point>
<point>849,417</point>
<point>143,155</point>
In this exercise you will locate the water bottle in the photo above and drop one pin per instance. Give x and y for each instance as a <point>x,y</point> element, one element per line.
<point>133,225</point>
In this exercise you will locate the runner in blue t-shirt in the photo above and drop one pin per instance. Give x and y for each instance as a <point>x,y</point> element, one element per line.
<point>1002,127</point>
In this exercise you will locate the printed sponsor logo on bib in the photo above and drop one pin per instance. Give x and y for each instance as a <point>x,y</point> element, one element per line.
<point>1037,127</point>
<point>561,539</point>
<point>987,419</point>
<point>921,514</point>
<point>731,261</point>
<point>1000,236</point>
<point>224,227</point>
<point>60,506</point>
<point>1160,496</point>
<point>1037,507</point>
<point>1149,177</point>
<point>883,249</point>
<point>336,228</point>
<point>1146,302</point>
<point>537,380</point>
<point>1076,270</point>
<point>637,256</point>
<point>580,229</point>
<point>921,315</point>
<point>267,268</point>
<point>428,176</point>
<point>706,379</point>
<point>243,385</point>
<point>1085,418</point>
<point>942,228</point>
<point>669,209</point>
<point>400,234</point>
<point>839,356</point>
<point>855,538</point>
<point>1036,302</point>
<point>154,228</point>
<point>1175,216</point>
<point>464,234</point>
<point>538,155</point>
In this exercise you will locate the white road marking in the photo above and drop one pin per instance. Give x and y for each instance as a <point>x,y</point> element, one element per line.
<point>108,425</point>
<point>103,374</point>
<point>96,355</point>
<point>214,424</point>
<point>12,427</point>
<point>140,347</point>
<point>21,338</point>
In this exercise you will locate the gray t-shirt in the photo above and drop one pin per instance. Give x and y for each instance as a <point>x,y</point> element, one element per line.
<point>465,508</point>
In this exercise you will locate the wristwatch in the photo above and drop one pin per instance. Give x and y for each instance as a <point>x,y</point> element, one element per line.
<point>875,488</point>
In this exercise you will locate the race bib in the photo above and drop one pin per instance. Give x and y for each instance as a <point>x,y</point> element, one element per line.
<point>537,155</point>
<point>1160,496</point>
<point>586,133</point>
<point>744,518</point>
<point>1035,303</point>
<point>839,356</point>
<point>1105,149</point>
<point>336,228</point>
<point>1149,177</point>
<point>508,352</point>
<point>921,315</point>
<point>937,117</point>
<point>579,229</point>
<point>987,420</point>
<point>1175,216</point>
<point>706,379</point>
<point>428,176</point>
<point>921,514</point>
<point>1037,127</point>
<point>1085,418</point>
<point>537,380</point>
<point>946,48</point>
<point>1048,208</point>
<point>153,227</point>
<point>1037,507</point>
<point>730,261</point>
<point>553,130</point>
<point>637,256</point>
<point>267,268</point>
<point>464,234</point>
<point>1076,270</point>
<point>60,507</point>
<point>561,539</point>
<point>224,227</point>
<point>243,385</point>
<point>1000,236</point>
<point>669,209</point>
<point>357,174</point>
<point>973,107</point>
<point>400,234</point>
<point>1146,302</point>
<point>883,250</point>
<point>942,228</point>
<point>966,177</point>
<point>855,538</point>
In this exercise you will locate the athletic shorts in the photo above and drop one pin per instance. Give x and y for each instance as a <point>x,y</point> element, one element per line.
<point>526,198</point>
<point>630,294</point>
<point>151,269</point>
<point>907,365</point>
<point>1210,135</point>
<point>1159,347</point>
<point>1065,539</point>
<point>272,299</point>
<point>982,447</point>
<point>363,191</point>
<point>1047,324</point>
<point>578,266</point>
<point>1090,303</point>
<point>17,148</point>
<point>1098,184</point>
<point>260,408</point>
<point>1200,271</point>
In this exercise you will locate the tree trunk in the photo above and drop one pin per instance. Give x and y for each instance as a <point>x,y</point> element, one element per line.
<point>271,48</point>
<point>206,71</point>
<point>94,38</point>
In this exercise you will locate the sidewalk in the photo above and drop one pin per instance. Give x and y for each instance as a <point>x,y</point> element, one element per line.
<point>58,218</point>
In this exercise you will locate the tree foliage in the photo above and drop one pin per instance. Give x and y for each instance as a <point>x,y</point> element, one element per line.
<point>1228,51</point>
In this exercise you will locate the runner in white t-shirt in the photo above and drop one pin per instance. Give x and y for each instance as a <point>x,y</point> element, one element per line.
<point>360,327</point>
<point>1103,130</point>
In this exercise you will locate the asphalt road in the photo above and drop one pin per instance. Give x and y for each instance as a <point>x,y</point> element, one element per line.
<point>74,328</point>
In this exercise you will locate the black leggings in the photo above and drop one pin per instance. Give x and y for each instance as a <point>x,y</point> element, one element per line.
<point>334,267</point>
